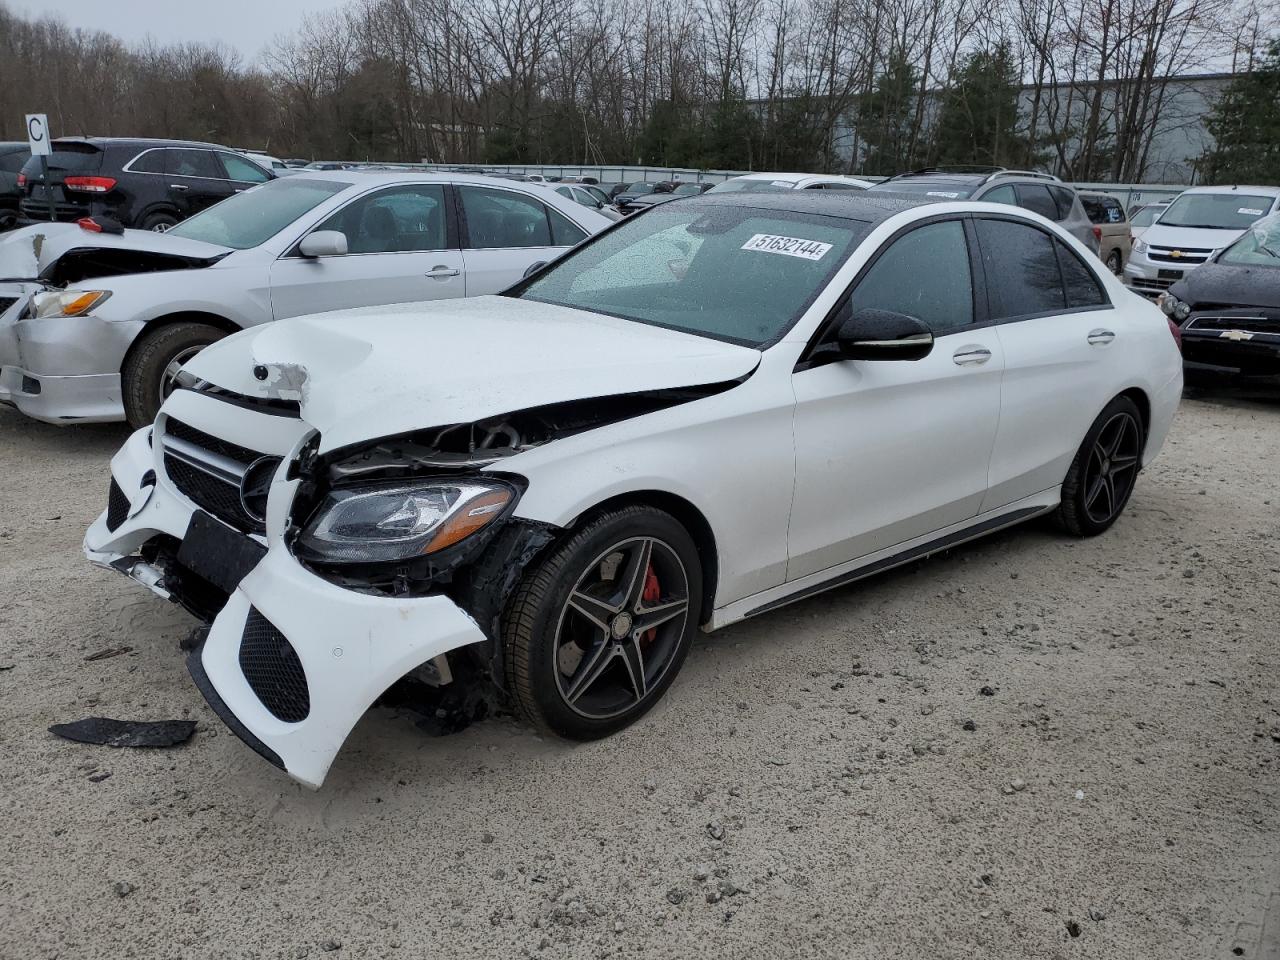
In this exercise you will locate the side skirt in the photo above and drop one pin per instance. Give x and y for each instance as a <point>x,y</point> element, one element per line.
<point>868,566</point>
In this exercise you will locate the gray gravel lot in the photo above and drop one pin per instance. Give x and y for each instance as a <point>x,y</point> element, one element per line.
<point>826,781</point>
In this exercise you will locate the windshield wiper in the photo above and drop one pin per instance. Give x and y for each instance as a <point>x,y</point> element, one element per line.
<point>1267,250</point>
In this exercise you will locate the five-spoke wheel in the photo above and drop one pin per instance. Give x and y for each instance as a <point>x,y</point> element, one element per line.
<point>1102,476</point>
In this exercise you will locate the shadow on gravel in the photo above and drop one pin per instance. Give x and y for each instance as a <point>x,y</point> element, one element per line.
<point>1233,391</point>
<point>89,437</point>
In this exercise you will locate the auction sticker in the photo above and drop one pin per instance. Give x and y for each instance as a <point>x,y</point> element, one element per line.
<point>1251,212</point>
<point>787,246</point>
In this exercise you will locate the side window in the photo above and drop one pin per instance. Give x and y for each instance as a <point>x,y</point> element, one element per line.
<point>1036,197</point>
<point>565,192</point>
<point>564,233</point>
<point>1023,277</point>
<point>238,168</point>
<point>150,162</point>
<point>1082,287</point>
<point>1094,209</point>
<point>192,163</point>
<point>503,218</point>
<point>841,186</point>
<point>398,220</point>
<point>1066,201</point>
<point>924,274</point>
<point>1115,212</point>
<point>1003,194</point>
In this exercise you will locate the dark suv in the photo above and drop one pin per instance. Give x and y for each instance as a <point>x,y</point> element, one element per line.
<point>12,157</point>
<point>150,184</point>
<point>1042,193</point>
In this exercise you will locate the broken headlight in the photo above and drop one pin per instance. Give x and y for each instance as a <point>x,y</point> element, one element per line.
<point>66,303</point>
<point>372,524</point>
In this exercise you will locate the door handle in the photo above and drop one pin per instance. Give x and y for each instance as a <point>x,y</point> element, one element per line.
<point>441,272</point>
<point>1100,337</point>
<point>177,186</point>
<point>971,354</point>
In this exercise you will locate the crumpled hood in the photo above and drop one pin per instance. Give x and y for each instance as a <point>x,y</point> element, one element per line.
<point>30,250</point>
<point>1198,239</point>
<point>377,371</point>
<point>1215,283</point>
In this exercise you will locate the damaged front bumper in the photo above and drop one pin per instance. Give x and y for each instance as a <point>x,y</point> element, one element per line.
<point>291,661</point>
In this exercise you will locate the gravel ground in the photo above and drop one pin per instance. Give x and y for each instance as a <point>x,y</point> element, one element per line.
<point>1028,747</point>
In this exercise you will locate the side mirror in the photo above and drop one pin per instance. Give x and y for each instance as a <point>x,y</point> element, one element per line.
<point>883,335</point>
<point>534,268</point>
<point>324,243</point>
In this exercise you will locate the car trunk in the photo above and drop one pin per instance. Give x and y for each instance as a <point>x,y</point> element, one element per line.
<point>39,194</point>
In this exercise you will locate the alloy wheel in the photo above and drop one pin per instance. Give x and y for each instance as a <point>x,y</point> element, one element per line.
<point>169,378</point>
<point>1112,468</point>
<point>620,627</point>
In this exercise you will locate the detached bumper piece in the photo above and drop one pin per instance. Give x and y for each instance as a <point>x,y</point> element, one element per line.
<point>273,670</point>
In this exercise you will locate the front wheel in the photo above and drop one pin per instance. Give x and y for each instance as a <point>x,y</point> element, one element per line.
<point>1104,471</point>
<point>150,373</point>
<point>599,628</point>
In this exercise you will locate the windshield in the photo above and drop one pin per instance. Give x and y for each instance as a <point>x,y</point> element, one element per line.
<point>1145,217</point>
<point>740,184</point>
<point>1259,247</point>
<point>687,189</point>
<point>636,189</point>
<point>1215,211</point>
<point>732,273</point>
<point>248,219</point>
<point>944,190</point>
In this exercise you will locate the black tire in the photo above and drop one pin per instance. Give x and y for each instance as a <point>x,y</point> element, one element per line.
<point>144,382</point>
<point>542,631</point>
<point>159,222</point>
<point>1113,262</point>
<point>1105,470</point>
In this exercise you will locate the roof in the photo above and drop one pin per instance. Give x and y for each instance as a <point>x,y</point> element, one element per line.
<point>1237,188</point>
<point>850,205</point>
<point>140,141</point>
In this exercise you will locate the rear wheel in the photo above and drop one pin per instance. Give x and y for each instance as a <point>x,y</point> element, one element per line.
<point>150,371</point>
<point>159,222</point>
<point>599,628</point>
<point>1103,474</point>
<point>1113,262</point>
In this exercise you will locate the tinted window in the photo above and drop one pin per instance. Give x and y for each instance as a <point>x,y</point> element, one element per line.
<point>1003,194</point>
<point>1082,287</point>
<point>501,218</point>
<point>1022,269</point>
<point>924,274</point>
<point>192,163</point>
<point>565,233</point>
<point>247,219</point>
<point>12,162</point>
<point>238,168</point>
<point>397,220</point>
<point>1065,199</point>
<point>150,162</point>
<point>69,158</point>
<point>1094,209</point>
<point>1036,197</point>
<point>1115,212</point>
<point>731,272</point>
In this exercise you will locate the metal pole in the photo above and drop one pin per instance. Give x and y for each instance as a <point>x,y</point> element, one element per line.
<point>44,176</point>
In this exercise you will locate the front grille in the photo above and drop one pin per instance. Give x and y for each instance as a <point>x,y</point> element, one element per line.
<point>1266,326</point>
<point>273,670</point>
<point>210,490</point>
<point>1147,285</point>
<point>117,506</point>
<point>1190,255</point>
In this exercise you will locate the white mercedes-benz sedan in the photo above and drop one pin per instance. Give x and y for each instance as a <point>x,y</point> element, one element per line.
<point>708,411</point>
<point>94,325</point>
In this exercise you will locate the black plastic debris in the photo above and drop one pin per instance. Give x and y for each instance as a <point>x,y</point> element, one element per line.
<point>126,733</point>
<point>107,654</point>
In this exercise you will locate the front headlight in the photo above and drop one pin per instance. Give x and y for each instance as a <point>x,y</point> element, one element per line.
<point>372,524</point>
<point>1173,307</point>
<point>1139,247</point>
<point>67,303</point>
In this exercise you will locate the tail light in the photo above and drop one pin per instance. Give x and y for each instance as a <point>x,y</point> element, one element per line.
<point>1097,233</point>
<point>1177,333</point>
<point>90,184</point>
<point>22,179</point>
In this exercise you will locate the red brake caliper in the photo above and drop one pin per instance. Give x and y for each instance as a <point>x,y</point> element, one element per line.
<point>652,591</point>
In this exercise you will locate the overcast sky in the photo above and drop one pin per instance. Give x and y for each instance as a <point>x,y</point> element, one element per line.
<point>247,25</point>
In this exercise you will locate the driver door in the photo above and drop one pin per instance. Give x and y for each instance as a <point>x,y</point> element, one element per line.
<point>891,450</point>
<point>400,249</point>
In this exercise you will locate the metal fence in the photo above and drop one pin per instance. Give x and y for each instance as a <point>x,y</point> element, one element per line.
<point>1130,195</point>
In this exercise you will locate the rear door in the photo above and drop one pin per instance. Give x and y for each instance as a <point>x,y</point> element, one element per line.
<point>195,179</point>
<point>891,450</point>
<point>401,248</point>
<point>1058,332</point>
<point>504,232</point>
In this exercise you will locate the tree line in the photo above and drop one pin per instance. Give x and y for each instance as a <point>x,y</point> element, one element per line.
<point>1081,87</point>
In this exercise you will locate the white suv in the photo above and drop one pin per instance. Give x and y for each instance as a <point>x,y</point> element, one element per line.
<point>1199,223</point>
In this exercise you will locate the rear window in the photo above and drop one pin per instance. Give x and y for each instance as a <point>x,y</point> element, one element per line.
<point>67,158</point>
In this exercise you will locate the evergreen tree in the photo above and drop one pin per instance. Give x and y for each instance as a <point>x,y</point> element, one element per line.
<point>1245,124</point>
<point>978,119</point>
<point>886,117</point>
